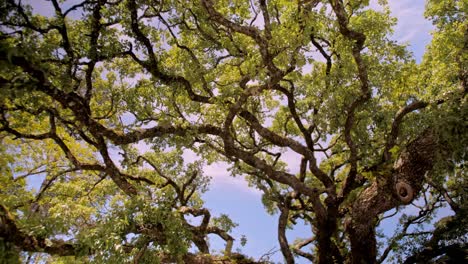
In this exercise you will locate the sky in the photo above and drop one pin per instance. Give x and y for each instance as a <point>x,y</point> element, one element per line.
<point>243,204</point>
<point>232,196</point>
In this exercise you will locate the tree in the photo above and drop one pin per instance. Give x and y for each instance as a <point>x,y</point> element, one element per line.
<point>245,82</point>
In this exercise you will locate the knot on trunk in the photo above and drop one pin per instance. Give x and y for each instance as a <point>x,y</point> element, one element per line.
<point>404,192</point>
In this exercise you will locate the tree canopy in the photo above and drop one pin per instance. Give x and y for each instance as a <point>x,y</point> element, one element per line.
<point>101,100</point>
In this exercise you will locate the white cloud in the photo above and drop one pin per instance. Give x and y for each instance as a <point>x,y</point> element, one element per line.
<point>412,27</point>
<point>221,178</point>
<point>293,161</point>
<point>46,8</point>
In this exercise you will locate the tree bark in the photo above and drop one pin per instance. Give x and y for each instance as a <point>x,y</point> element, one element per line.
<point>283,241</point>
<point>400,186</point>
<point>10,232</point>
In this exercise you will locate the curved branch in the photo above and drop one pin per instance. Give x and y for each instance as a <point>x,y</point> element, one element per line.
<point>381,196</point>
<point>113,172</point>
<point>358,39</point>
<point>405,226</point>
<point>198,212</point>
<point>152,66</point>
<point>11,233</point>
<point>225,236</point>
<point>287,142</point>
<point>250,31</point>
<point>391,139</point>
<point>283,241</point>
<point>297,249</point>
<point>455,252</point>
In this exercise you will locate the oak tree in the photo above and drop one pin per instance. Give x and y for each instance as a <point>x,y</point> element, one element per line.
<point>101,99</point>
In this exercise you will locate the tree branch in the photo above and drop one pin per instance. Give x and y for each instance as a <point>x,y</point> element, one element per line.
<point>11,233</point>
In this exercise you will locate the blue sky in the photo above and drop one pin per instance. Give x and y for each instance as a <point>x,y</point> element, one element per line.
<point>243,204</point>
<point>232,196</point>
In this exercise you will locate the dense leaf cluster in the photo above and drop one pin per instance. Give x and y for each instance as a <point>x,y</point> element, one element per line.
<point>102,102</point>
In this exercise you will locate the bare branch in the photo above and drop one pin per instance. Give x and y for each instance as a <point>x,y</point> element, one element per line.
<point>391,139</point>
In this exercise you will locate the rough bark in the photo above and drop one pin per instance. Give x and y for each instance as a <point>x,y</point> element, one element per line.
<point>452,254</point>
<point>283,240</point>
<point>400,186</point>
<point>210,259</point>
<point>10,232</point>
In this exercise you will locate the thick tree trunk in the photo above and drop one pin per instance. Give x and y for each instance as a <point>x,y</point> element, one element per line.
<point>327,250</point>
<point>361,230</point>
<point>324,249</point>
<point>400,186</point>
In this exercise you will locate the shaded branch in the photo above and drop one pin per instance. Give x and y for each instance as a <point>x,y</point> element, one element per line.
<point>250,31</point>
<point>30,243</point>
<point>283,241</point>
<point>296,248</point>
<point>358,39</point>
<point>391,139</point>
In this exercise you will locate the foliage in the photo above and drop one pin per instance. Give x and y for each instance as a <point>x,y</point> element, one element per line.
<point>103,101</point>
